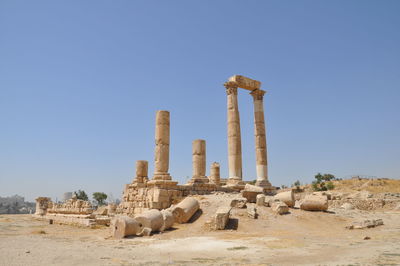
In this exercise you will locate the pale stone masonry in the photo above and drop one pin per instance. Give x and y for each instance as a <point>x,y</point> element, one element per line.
<point>215,176</point>
<point>234,136</point>
<point>245,83</point>
<point>199,162</point>
<point>141,171</point>
<point>161,192</point>
<point>161,162</point>
<point>260,139</point>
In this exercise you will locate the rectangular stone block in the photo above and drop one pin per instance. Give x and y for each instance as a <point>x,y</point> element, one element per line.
<point>222,217</point>
<point>246,83</point>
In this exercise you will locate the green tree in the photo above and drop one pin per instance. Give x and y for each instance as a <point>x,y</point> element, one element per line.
<point>81,194</point>
<point>323,182</point>
<point>100,197</point>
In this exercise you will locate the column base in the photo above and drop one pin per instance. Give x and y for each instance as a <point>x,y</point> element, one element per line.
<point>198,180</point>
<point>162,176</point>
<point>266,185</point>
<point>235,183</point>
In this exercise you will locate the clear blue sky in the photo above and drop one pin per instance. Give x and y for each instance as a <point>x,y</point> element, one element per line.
<point>80,82</point>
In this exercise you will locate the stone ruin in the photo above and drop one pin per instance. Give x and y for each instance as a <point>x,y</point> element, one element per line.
<point>161,192</point>
<point>72,211</point>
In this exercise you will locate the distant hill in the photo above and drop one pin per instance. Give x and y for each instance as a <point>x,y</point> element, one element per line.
<point>16,205</point>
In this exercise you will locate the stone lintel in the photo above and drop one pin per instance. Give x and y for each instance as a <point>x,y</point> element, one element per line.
<point>246,83</point>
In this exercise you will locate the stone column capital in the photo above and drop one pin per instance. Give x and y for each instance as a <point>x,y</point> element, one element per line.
<point>231,87</point>
<point>258,94</point>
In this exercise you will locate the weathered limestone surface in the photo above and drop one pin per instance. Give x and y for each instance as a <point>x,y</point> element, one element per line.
<point>222,217</point>
<point>260,139</point>
<point>280,207</point>
<point>287,197</point>
<point>72,211</point>
<point>152,219</point>
<point>234,135</point>
<point>185,210</point>
<point>269,200</point>
<point>314,203</point>
<point>142,171</point>
<point>123,226</point>
<point>42,204</point>
<point>239,203</point>
<point>142,225</point>
<point>260,200</point>
<point>215,176</point>
<point>365,224</point>
<point>162,137</point>
<point>250,192</point>
<point>245,83</point>
<point>252,211</point>
<point>199,162</point>
<point>71,206</point>
<point>168,218</point>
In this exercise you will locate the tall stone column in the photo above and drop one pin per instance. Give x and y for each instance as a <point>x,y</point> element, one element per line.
<point>260,139</point>
<point>234,137</point>
<point>161,163</point>
<point>199,162</point>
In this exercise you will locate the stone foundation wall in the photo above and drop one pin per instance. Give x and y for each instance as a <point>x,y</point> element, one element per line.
<point>159,194</point>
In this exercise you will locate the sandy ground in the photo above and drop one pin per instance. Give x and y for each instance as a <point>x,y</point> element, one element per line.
<point>298,238</point>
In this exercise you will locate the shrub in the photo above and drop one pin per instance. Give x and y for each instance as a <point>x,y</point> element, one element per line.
<point>329,185</point>
<point>323,182</point>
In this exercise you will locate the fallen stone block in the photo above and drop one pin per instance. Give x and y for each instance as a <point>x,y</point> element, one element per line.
<point>365,224</point>
<point>250,192</point>
<point>260,200</point>
<point>142,225</point>
<point>239,203</point>
<point>280,207</point>
<point>168,220</point>
<point>269,200</point>
<point>287,197</point>
<point>347,206</point>
<point>314,203</point>
<point>185,210</point>
<point>252,211</point>
<point>122,226</point>
<point>222,217</point>
<point>152,219</point>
